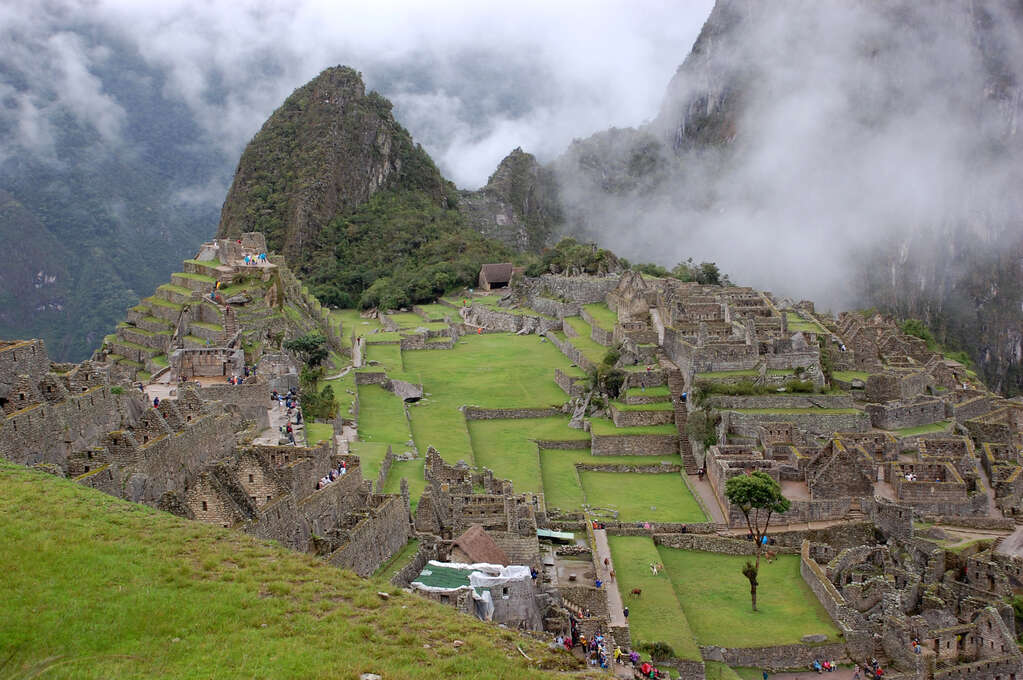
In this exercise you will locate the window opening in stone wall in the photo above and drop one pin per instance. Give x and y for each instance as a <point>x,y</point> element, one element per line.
<point>204,506</point>
<point>250,478</point>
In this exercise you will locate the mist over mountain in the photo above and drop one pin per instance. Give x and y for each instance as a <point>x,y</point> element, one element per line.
<point>859,153</point>
<point>123,122</point>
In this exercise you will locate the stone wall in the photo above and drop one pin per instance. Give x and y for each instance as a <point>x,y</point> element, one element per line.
<point>775,658</point>
<point>640,418</point>
<point>653,378</point>
<point>251,398</point>
<point>375,539</point>
<point>822,424</point>
<point>555,308</point>
<point>49,433</point>
<point>572,386</point>
<point>570,351</point>
<point>891,519</point>
<point>498,320</point>
<point>634,445</point>
<point>477,413</point>
<point>895,415</point>
<point>582,289</point>
<point>428,550</point>
<point>781,400</point>
<point>22,357</point>
<point>715,543</point>
<point>586,597</point>
<point>653,468</point>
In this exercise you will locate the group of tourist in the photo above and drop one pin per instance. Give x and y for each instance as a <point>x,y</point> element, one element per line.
<point>824,666</point>
<point>255,259</point>
<point>332,476</point>
<point>290,402</point>
<point>874,671</point>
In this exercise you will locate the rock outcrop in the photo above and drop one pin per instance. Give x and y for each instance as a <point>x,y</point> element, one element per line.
<point>518,206</point>
<point>323,153</point>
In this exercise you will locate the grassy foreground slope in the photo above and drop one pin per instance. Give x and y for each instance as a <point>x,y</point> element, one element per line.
<point>104,588</point>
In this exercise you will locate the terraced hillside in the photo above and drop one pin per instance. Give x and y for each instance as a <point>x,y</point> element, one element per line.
<point>96,587</point>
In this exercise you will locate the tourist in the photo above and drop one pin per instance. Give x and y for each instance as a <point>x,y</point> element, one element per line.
<point>633,657</point>
<point>607,562</point>
<point>625,612</point>
<point>618,654</point>
<point>612,574</point>
<point>156,402</point>
<point>856,673</point>
<point>599,582</point>
<point>816,666</point>
<point>764,674</point>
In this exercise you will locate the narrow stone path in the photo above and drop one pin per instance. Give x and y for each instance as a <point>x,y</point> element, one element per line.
<point>710,501</point>
<point>278,416</point>
<point>614,598</point>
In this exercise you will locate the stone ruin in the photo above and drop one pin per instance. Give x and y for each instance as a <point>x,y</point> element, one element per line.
<point>189,457</point>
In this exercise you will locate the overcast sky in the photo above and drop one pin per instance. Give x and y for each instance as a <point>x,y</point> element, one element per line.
<point>470,80</point>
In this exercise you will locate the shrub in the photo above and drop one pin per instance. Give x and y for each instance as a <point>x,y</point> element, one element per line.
<point>658,651</point>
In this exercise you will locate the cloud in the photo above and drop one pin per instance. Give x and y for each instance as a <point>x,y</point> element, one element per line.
<point>572,68</point>
<point>857,131</point>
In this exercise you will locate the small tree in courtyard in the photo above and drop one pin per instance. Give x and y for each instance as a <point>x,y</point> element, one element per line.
<point>758,496</point>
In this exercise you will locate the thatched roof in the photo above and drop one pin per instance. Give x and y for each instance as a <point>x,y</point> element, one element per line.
<point>480,547</point>
<point>498,273</point>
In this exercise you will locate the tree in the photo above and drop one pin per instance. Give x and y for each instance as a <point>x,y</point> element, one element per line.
<point>312,347</point>
<point>758,496</point>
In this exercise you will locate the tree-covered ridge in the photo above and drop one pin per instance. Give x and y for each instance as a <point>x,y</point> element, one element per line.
<point>398,248</point>
<point>327,150</point>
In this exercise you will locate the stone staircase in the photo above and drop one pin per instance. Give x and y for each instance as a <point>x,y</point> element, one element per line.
<point>677,385</point>
<point>230,324</point>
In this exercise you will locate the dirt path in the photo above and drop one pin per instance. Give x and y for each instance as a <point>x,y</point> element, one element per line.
<point>614,598</point>
<point>1013,544</point>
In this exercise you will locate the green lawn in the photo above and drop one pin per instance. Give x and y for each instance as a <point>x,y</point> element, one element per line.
<point>317,432</point>
<point>593,351</point>
<point>371,455</point>
<point>715,597</point>
<point>849,376</point>
<point>351,321</point>
<point>604,426</point>
<point>715,670</point>
<point>940,426</point>
<point>642,497</point>
<point>602,315</point>
<point>389,356</point>
<point>437,312</point>
<point>407,320</point>
<point>508,447</point>
<point>652,406</point>
<point>341,395</point>
<point>655,615</point>
<point>96,587</point>
<point>496,370</point>
<point>561,486</point>
<point>798,323</point>
<point>402,558</point>
<point>658,391</point>
<point>411,470</point>
<point>382,417</point>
